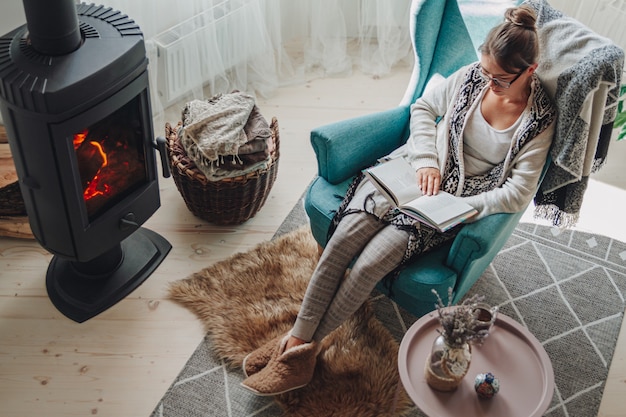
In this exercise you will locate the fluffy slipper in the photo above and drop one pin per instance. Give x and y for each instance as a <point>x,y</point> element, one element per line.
<point>290,370</point>
<point>258,359</point>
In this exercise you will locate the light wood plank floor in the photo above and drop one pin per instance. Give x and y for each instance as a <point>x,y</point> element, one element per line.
<point>122,362</point>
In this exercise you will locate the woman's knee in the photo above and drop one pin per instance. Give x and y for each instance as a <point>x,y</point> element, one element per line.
<point>384,251</point>
<point>357,225</point>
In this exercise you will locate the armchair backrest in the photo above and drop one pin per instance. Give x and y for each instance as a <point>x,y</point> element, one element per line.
<point>441,43</point>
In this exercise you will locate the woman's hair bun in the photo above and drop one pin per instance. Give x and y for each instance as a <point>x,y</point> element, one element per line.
<point>523,16</point>
<point>514,43</point>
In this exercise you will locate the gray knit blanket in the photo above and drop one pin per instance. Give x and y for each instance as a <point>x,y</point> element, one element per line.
<point>581,72</point>
<point>225,136</point>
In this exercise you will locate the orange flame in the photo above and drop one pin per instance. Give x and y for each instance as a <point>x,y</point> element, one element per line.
<point>101,152</point>
<point>95,187</point>
<point>79,138</point>
<point>93,190</point>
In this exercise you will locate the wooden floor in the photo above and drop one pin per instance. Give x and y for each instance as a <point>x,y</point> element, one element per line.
<point>121,362</point>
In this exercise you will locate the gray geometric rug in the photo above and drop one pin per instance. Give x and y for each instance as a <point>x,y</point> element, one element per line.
<point>567,287</point>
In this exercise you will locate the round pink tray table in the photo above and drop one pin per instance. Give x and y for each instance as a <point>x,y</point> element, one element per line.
<point>510,352</point>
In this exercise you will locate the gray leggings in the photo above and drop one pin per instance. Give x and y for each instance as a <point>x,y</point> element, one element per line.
<point>330,298</point>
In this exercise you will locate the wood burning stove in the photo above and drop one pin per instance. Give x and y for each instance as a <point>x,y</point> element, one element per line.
<point>74,96</point>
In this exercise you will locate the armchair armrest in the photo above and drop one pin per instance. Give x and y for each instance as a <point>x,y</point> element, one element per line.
<point>344,148</point>
<point>476,245</point>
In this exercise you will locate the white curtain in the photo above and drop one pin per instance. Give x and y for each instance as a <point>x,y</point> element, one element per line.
<point>198,48</point>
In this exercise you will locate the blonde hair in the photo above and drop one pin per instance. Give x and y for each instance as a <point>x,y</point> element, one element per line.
<point>514,43</point>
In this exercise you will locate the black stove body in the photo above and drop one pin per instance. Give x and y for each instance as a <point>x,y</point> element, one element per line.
<point>74,96</point>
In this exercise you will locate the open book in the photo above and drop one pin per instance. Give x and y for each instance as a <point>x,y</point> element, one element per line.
<point>396,180</point>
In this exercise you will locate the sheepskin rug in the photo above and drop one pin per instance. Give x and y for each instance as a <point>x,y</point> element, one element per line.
<point>252,297</point>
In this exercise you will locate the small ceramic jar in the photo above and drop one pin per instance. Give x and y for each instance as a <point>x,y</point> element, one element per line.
<point>486,385</point>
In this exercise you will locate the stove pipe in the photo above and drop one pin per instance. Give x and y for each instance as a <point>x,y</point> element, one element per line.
<point>52,26</point>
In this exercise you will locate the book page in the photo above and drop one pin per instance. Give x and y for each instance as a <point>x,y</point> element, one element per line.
<point>398,178</point>
<point>441,208</point>
<point>397,181</point>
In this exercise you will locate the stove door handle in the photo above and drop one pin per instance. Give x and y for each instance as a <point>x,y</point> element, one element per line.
<point>160,145</point>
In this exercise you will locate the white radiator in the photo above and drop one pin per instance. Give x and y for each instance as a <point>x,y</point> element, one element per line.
<point>196,51</point>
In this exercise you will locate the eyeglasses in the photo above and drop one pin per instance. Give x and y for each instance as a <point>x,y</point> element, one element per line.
<point>498,82</point>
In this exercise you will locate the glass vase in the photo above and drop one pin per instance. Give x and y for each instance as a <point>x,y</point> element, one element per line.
<point>447,365</point>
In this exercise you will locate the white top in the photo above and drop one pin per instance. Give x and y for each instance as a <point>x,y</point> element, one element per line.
<point>483,146</point>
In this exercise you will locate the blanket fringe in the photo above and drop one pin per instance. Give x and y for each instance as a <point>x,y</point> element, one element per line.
<point>598,164</point>
<point>556,216</point>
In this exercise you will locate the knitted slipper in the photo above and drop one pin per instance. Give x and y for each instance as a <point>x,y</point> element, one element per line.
<point>290,370</point>
<point>258,359</point>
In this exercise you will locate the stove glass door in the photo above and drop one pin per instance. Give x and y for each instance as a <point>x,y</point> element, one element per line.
<point>111,158</point>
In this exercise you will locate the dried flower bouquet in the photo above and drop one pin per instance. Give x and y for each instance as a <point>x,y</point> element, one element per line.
<point>459,324</point>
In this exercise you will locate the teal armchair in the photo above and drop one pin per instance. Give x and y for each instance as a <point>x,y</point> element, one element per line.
<point>442,44</point>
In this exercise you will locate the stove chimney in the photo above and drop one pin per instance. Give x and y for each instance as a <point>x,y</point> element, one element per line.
<point>52,26</point>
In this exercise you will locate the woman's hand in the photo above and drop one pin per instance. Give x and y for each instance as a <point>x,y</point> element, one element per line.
<point>429,179</point>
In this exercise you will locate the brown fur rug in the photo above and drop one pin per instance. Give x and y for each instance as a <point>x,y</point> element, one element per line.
<point>252,297</point>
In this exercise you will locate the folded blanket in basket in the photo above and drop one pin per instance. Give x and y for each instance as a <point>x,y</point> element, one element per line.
<point>256,128</point>
<point>226,136</point>
<point>258,152</point>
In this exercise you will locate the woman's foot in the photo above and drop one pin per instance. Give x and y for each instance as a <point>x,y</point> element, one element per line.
<point>258,359</point>
<point>291,369</point>
<point>294,341</point>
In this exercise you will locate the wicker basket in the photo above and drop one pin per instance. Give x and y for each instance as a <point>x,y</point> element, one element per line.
<point>228,201</point>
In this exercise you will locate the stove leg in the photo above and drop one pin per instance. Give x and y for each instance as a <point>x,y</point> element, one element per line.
<point>82,290</point>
